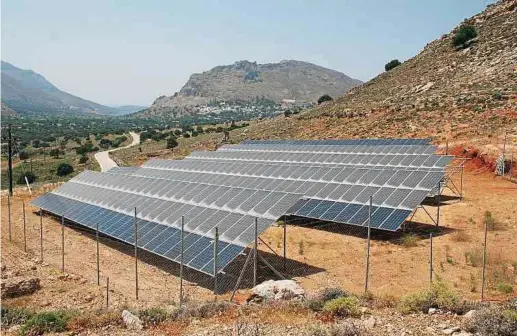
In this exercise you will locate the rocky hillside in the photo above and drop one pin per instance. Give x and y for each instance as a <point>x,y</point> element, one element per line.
<point>26,91</point>
<point>244,80</point>
<point>444,91</point>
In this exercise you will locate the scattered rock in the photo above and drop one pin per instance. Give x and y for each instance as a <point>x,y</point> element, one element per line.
<point>431,311</point>
<point>131,321</point>
<point>19,286</point>
<point>469,314</point>
<point>370,322</point>
<point>450,331</point>
<point>276,290</point>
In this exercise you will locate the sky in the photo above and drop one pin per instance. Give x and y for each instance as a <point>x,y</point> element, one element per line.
<point>130,52</point>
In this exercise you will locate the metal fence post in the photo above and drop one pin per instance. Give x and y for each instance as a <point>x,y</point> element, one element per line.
<point>9,214</point>
<point>255,246</point>
<point>431,258</point>
<point>41,233</point>
<point>438,203</point>
<point>181,259</point>
<point>461,181</point>
<point>368,247</point>
<point>136,255</point>
<point>285,245</point>
<point>484,261</point>
<point>98,257</point>
<point>216,256</point>
<point>24,229</point>
<point>107,291</point>
<point>63,243</point>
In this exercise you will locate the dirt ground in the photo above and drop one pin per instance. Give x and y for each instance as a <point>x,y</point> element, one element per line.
<point>318,255</point>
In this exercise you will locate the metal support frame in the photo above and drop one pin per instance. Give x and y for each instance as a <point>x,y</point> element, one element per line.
<point>107,291</point>
<point>271,267</point>
<point>135,223</point>
<point>240,276</point>
<point>181,259</point>
<point>427,213</point>
<point>267,245</point>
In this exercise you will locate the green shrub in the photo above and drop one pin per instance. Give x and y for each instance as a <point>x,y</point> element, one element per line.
<point>392,64</point>
<point>493,320</point>
<point>463,34</point>
<point>83,159</point>
<point>54,321</point>
<point>64,169</point>
<point>410,240</point>
<point>24,155</point>
<point>505,288</point>
<point>342,307</point>
<point>172,143</point>
<point>31,177</point>
<point>438,296</point>
<point>154,316</point>
<point>491,223</point>
<point>205,310</point>
<point>332,293</point>
<point>15,315</point>
<point>315,304</point>
<point>324,98</point>
<point>345,328</point>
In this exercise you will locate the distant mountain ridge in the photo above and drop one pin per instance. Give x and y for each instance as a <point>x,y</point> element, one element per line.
<point>26,91</point>
<point>245,81</point>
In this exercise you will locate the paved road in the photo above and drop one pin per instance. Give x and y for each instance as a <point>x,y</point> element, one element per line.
<point>104,159</point>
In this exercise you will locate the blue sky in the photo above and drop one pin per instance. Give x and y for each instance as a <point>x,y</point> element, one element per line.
<point>130,52</point>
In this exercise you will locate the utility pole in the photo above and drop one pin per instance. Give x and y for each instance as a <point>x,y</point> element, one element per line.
<point>10,158</point>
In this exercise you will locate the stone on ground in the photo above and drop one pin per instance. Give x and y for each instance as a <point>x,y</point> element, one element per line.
<point>19,286</point>
<point>131,321</point>
<point>276,290</point>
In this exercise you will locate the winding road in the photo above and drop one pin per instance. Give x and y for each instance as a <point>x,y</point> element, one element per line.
<point>104,159</point>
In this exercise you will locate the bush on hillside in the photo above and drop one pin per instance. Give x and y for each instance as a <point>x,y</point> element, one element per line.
<point>83,159</point>
<point>438,296</point>
<point>64,169</point>
<point>392,64</point>
<point>463,34</point>
<point>342,307</point>
<point>494,320</point>
<point>54,321</point>
<point>324,98</point>
<point>24,155</point>
<point>172,143</point>
<point>31,178</point>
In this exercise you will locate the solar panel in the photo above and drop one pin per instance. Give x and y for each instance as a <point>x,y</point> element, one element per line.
<point>344,142</point>
<point>419,161</point>
<point>153,237</point>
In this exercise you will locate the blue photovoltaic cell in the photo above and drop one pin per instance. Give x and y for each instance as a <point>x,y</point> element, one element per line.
<point>157,238</point>
<point>396,219</point>
<point>379,216</point>
<point>348,213</point>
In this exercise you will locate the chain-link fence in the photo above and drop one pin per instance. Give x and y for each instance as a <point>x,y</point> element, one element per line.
<point>317,254</point>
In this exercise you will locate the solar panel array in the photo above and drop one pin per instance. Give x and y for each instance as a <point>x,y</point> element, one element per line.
<point>329,180</point>
<point>343,142</point>
<point>413,161</point>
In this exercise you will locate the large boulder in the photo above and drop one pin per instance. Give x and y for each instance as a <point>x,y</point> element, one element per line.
<point>276,290</point>
<point>131,321</point>
<point>19,286</point>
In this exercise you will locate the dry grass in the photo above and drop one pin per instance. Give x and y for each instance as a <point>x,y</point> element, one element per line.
<point>410,240</point>
<point>461,236</point>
